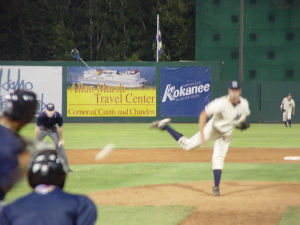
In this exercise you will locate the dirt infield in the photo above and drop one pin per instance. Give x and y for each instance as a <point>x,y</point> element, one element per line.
<point>257,155</point>
<point>241,203</point>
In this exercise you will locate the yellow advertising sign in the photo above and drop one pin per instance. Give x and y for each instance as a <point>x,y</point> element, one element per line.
<point>108,101</point>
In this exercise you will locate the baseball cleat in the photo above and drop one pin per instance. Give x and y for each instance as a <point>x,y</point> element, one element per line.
<point>160,124</point>
<point>216,191</point>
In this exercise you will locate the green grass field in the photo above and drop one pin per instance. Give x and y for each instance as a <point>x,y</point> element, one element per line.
<point>108,176</point>
<point>138,135</point>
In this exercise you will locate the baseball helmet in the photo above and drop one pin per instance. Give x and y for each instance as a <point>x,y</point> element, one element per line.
<point>21,105</point>
<point>50,107</point>
<point>46,167</point>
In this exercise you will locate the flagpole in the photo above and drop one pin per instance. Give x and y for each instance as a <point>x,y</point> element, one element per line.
<point>157,27</point>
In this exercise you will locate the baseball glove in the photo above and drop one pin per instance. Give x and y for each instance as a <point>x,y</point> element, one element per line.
<point>243,126</point>
<point>282,110</point>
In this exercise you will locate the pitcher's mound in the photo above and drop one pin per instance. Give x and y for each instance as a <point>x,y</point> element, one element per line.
<point>241,203</point>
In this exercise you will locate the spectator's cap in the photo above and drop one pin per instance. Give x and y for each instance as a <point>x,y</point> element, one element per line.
<point>234,85</point>
<point>50,107</point>
<point>290,94</point>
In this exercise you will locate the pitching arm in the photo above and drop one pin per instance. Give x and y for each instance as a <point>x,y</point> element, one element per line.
<point>202,121</point>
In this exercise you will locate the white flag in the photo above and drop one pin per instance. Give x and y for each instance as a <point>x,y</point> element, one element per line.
<point>158,41</point>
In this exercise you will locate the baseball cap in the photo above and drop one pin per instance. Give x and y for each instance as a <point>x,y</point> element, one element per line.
<point>290,94</point>
<point>234,85</point>
<point>50,107</point>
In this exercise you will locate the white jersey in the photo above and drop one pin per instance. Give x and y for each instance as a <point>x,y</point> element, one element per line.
<point>287,105</point>
<point>224,115</point>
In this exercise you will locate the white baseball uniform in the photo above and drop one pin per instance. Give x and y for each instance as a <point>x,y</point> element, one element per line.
<point>224,116</point>
<point>287,106</point>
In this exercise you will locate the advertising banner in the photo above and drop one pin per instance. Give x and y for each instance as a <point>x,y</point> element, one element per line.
<point>184,90</point>
<point>45,81</point>
<point>111,92</point>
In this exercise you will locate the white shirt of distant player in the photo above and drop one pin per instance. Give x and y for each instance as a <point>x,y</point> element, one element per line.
<point>288,105</point>
<point>225,115</point>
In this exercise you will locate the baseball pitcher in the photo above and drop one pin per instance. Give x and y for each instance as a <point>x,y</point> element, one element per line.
<point>225,113</point>
<point>48,204</point>
<point>46,126</point>
<point>287,108</point>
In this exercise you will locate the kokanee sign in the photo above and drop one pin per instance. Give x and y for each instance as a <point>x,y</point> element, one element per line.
<point>171,93</point>
<point>184,90</point>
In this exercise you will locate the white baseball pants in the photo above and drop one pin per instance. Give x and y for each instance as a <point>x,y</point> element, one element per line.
<point>287,115</point>
<point>221,144</point>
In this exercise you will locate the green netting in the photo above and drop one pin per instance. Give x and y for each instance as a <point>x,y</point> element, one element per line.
<point>256,18</point>
<point>270,37</point>
<point>272,72</point>
<point>211,18</point>
<point>284,4</point>
<point>226,38</point>
<point>223,4</point>
<point>275,23</point>
<point>229,71</point>
<point>259,4</point>
<point>282,55</point>
<point>295,17</point>
<point>217,53</point>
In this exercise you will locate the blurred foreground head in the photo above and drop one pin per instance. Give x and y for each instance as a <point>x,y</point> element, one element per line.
<point>46,167</point>
<point>20,106</point>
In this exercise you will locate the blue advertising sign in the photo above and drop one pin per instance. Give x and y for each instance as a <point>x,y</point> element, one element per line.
<point>184,90</point>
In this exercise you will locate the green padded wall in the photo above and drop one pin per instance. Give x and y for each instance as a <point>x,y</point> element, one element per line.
<point>272,94</point>
<point>214,69</point>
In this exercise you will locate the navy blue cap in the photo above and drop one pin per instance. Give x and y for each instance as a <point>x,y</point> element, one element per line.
<point>234,85</point>
<point>290,94</point>
<point>50,107</point>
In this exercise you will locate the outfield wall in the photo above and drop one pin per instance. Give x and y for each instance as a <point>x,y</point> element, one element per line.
<point>264,97</point>
<point>12,78</point>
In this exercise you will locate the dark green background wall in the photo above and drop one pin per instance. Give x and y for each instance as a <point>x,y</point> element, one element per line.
<point>271,38</point>
<point>271,95</point>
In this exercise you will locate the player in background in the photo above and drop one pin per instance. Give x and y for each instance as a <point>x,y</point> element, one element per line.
<point>48,204</point>
<point>287,108</point>
<point>225,113</point>
<point>46,126</point>
<point>20,108</point>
